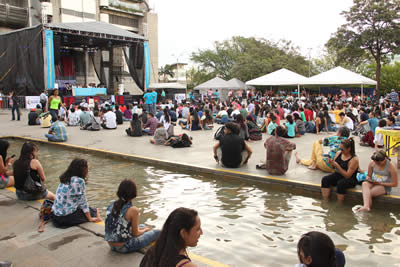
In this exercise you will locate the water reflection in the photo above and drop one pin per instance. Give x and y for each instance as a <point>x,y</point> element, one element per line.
<point>243,222</point>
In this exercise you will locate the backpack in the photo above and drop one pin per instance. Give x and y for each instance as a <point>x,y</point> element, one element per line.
<point>219,133</point>
<point>45,214</point>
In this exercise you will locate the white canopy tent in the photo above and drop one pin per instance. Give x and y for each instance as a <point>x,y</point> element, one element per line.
<point>340,76</point>
<point>282,77</point>
<point>167,86</point>
<point>214,84</point>
<point>238,84</point>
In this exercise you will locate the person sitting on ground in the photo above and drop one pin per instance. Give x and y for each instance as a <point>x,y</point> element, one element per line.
<point>109,119</point>
<point>123,232</point>
<point>94,123</point>
<point>128,113</point>
<point>231,149</point>
<point>291,128</point>
<point>165,119</point>
<point>178,142</point>
<point>152,124</point>
<point>84,115</point>
<point>382,177</point>
<point>244,130</point>
<point>33,118</point>
<point>272,125</point>
<point>255,133</point>
<point>73,118</point>
<point>182,229</point>
<point>70,206</point>
<point>300,125</point>
<point>119,116</point>
<point>193,123</point>
<point>57,132</point>
<point>279,152</point>
<point>378,140</point>
<point>346,166</point>
<point>6,176</point>
<point>222,116</point>
<point>160,135</point>
<point>317,249</point>
<point>320,161</point>
<point>207,120</point>
<point>345,121</point>
<point>368,138</point>
<point>28,166</point>
<point>135,127</point>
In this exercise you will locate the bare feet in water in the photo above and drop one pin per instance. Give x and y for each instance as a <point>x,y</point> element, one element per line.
<point>363,209</point>
<point>297,157</point>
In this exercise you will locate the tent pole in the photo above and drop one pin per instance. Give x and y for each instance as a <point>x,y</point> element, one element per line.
<point>362,91</point>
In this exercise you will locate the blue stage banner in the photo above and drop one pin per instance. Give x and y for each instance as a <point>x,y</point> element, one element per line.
<point>50,58</point>
<point>147,65</point>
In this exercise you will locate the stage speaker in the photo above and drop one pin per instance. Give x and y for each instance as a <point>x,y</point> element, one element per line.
<point>139,56</point>
<point>57,45</point>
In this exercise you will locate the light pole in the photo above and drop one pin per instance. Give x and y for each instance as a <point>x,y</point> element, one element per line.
<point>309,61</point>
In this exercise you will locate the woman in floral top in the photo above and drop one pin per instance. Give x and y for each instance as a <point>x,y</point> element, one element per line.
<point>70,206</point>
<point>124,234</point>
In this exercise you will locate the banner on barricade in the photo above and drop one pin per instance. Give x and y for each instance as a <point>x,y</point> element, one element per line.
<point>32,101</point>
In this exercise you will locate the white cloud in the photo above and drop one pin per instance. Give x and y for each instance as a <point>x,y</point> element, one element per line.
<point>188,25</point>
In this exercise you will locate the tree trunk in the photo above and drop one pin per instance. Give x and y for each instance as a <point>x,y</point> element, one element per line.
<point>378,77</point>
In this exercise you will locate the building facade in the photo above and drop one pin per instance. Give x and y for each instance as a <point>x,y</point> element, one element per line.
<point>131,15</point>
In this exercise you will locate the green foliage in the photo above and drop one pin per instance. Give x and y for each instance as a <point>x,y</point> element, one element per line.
<point>390,76</point>
<point>373,28</point>
<point>166,71</point>
<point>196,76</point>
<point>249,58</point>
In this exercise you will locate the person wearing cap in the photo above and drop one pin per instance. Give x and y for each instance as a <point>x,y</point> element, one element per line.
<point>382,177</point>
<point>33,118</point>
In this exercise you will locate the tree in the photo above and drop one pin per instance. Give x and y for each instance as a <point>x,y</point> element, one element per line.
<point>166,71</point>
<point>390,76</point>
<point>373,27</point>
<point>196,76</point>
<point>249,58</point>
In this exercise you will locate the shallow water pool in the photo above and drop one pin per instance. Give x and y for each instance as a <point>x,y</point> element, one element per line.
<point>245,223</point>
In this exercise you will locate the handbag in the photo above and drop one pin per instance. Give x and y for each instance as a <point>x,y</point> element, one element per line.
<point>31,186</point>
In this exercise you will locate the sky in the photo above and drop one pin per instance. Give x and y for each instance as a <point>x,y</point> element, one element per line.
<point>185,26</point>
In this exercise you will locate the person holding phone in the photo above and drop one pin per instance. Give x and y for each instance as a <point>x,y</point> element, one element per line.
<point>6,176</point>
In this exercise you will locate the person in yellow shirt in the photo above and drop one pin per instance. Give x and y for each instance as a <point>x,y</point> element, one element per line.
<point>337,111</point>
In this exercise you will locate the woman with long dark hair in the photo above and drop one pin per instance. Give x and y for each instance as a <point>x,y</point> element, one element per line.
<point>255,133</point>
<point>71,206</point>
<point>165,119</point>
<point>181,230</point>
<point>54,103</point>
<point>207,120</point>
<point>28,164</point>
<point>6,176</point>
<point>345,165</point>
<point>14,103</point>
<point>316,249</point>
<point>136,126</point>
<point>244,130</point>
<point>194,123</point>
<point>124,234</point>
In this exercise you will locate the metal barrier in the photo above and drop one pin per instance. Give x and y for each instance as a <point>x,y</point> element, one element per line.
<point>5,102</point>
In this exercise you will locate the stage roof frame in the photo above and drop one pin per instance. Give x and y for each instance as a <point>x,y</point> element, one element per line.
<point>96,29</point>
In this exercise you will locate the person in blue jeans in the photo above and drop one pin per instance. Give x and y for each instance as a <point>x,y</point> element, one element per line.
<point>123,232</point>
<point>148,101</point>
<point>154,100</point>
<point>14,106</point>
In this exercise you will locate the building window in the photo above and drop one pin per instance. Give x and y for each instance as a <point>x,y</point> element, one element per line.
<point>124,21</point>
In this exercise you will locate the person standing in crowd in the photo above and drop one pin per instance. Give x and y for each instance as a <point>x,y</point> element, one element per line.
<point>123,232</point>
<point>231,149</point>
<point>181,230</point>
<point>279,152</point>
<point>6,176</point>
<point>154,102</point>
<point>57,132</point>
<point>382,177</point>
<point>54,104</point>
<point>394,96</point>
<point>14,104</point>
<point>43,100</point>
<point>148,101</point>
<point>162,95</point>
<point>71,207</point>
<point>27,166</point>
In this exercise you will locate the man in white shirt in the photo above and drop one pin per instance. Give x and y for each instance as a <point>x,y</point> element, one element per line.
<point>73,118</point>
<point>110,120</point>
<point>43,100</point>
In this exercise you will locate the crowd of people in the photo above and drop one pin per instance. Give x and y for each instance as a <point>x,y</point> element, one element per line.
<point>240,120</point>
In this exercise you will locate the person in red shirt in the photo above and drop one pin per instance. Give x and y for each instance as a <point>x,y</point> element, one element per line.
<point>309,114</point>
<point>281,111</point>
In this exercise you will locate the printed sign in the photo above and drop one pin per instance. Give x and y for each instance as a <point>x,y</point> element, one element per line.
<point>32,101</point>
<point>180,97</point>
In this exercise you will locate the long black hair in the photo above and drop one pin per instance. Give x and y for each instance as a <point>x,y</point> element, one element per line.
<point>170,242</point>
<point>195,115</point>
<point>127,191</point>
<point>22,163</point>
<point>78,167</point>
<point>166,115</point>
<point>349,143</point>
<point>4,145</point>
<point>289,118</point>
<point>320,247</point>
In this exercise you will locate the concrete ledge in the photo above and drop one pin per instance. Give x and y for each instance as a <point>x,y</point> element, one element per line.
<point>293,184</point>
